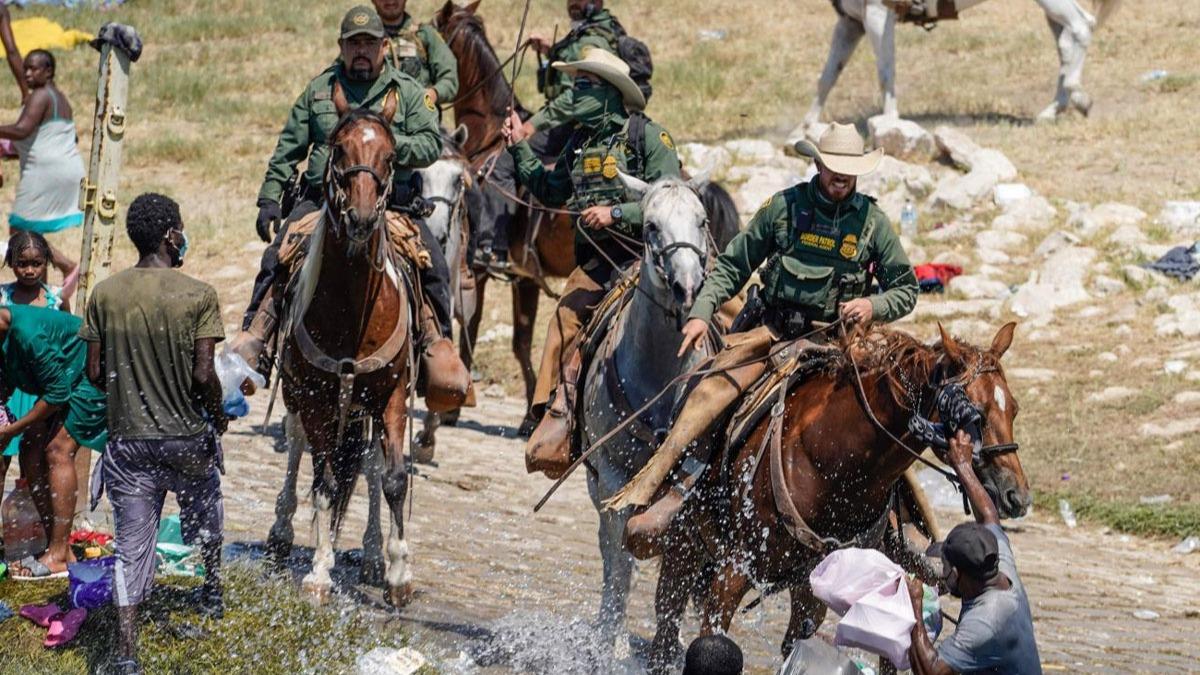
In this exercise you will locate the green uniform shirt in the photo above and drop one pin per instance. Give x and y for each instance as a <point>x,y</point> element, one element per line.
<point>557,85</point>
<point>148,321</point>
<point>586,173</point>
<point>44,356</point>
<point>813,247</point>
<point>313,117</point>
<point>417,50</point>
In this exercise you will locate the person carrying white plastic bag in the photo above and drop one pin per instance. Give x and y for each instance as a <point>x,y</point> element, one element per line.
<point>868,589</point>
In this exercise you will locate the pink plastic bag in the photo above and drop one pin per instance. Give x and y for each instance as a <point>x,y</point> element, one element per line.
<point>847,575</point>
<point>881,623</point>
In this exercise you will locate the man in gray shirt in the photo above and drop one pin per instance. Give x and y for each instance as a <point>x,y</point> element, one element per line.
<point>995,627</point>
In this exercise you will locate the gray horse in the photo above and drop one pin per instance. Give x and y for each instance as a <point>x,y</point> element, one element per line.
<point>637,361</point>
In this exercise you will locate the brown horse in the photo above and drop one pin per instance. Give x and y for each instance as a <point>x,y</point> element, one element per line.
<point>348,351</point>
<point>542,244</point>
<point>828,480</point>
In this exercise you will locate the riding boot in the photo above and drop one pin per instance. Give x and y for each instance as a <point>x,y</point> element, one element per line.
<point>644,531</point>
<point>549,447</point>
<point>443,378</point>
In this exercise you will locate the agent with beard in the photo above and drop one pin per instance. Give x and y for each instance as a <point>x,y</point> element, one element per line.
<point>819,244</point>
<point>586,179</point>
<point>995,627</point>
<point>367,81</point>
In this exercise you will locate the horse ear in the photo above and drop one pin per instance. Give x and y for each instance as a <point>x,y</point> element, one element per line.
<point>340,104</point>
<point>636,186</point>
<point>390,103</point>
<point>470,9</point>
<point>461,134</point>
<point>950,346</point>
<point>1003,339</point>
<point>700,181</point>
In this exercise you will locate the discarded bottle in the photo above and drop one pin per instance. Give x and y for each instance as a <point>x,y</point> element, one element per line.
<point>23,531</point>
<point>908,220</point>
<point>814,655</point>
<point>1189,545</point>
<point>1068,515</point>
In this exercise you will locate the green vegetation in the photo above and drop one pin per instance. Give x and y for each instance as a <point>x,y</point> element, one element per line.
<point>1166,520</point>
<point>268,628</point>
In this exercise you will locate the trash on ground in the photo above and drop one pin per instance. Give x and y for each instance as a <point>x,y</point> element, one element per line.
<point>1154,75</point>
<point>1175,367</point>
<point>1188,545</point>
<point>714,35</point>
<point>1156,500</point>
<point>390,661</point>
<point>1145,614</point>
<point>1067,513</point>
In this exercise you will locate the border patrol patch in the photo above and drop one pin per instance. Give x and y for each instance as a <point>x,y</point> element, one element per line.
<point>610,167</point>
<point>429,102</point>
<point>591,165</point>
<point>360,19</point>
<point>666,140</point>
<point>849,246</point>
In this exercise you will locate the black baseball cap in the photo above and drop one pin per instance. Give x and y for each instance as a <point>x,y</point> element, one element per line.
<point>362,20</point>
<point>970,547</point>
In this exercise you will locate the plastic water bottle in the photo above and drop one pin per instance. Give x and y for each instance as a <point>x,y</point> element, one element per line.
<point>232,371</point>
<point>23,531</point>
<point>1067,513</point>
<point>908,220</point>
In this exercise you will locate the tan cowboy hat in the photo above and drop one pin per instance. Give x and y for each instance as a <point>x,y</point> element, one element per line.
<point>841,150</point>
<point>610,68</point>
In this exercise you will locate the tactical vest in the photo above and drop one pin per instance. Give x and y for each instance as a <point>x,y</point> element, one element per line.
<point>818,265</point>
<point>407,53</point>
<point>595,173</point>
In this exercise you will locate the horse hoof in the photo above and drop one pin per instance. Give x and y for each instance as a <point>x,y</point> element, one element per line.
<point>400,596</point>
<point>423,448</point>
<point>372,573</point>
<point>278,553</point>
<point>318,591</point>
<point>527,426</point>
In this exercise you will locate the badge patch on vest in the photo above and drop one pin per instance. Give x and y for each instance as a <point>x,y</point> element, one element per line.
<point>610,167</point>
<point>849,246</point>
<point>591,165</point>
<point>429,102</point>
<point>666,140</point>
<point>817,241</point>
<point>405,49</point>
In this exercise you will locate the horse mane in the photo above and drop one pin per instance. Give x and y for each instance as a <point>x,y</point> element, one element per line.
<point>474,34</point>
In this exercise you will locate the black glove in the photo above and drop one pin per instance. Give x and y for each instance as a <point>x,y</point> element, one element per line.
<point>270,215</point>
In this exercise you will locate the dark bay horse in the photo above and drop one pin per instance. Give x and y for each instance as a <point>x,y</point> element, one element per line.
<point>831,474</point>
<point>541,242</point>
<point>347,354</point>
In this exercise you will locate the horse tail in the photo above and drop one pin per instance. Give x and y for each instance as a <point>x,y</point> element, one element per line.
<point>723,221</point>
<point>1104,9</point>
<point>347,463</point>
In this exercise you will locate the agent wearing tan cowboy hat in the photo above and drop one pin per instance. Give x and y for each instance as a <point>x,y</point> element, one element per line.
<point>586,179</point>
<point>821,242</point>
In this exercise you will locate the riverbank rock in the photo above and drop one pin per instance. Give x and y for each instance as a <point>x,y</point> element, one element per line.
<point>1088,221</point>
<point>699,157</point>
<point>1058,283</point>
<point>1112,395</point>
<point>903,139</point>
<point>1183,319</point>
<point>1181,217</point>
<point>1025,215</point>
<point>751,150</point>
<point>973,287</point>
<point>895,174</point>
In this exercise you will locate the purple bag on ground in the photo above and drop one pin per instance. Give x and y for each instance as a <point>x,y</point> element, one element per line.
<point>90,582</point>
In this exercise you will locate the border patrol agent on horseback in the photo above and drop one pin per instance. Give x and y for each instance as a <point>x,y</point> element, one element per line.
<point>549,129</point>
<point>366,81</point>
<point>417,50</point>
<point>821,242</point>
<point>612,137</point>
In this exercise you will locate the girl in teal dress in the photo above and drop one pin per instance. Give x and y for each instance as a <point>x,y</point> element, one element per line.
<point>41,353</point>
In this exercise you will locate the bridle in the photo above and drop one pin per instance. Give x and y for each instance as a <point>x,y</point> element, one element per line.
<point>335,187</point>
<point>658,255</point>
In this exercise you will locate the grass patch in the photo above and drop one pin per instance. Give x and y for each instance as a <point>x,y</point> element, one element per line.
<point>268,628</point>
<point>1167,520</point>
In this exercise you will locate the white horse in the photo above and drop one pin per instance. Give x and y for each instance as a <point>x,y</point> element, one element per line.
<point>638,360</point>
<point>1071,25</point>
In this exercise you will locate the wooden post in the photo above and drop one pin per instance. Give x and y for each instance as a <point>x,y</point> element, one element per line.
<point>98,201</point>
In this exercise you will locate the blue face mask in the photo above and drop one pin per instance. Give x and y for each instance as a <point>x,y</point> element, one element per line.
<point>181,250</point>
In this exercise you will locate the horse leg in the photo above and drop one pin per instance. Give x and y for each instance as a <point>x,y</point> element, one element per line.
<point>725,595</point>
<point>618,572</point>
<point>525,309</point>
<point>318,581</point>
<point>473,313</point>
<point>395,489</point>
<point>880,24</point>
<point>1072,35</point>
<point>279,541</point>
<point>846,36</point>
<point>372,561</point>
<point>807,615</point>
<point>425,442</point>
<point>678,571</point>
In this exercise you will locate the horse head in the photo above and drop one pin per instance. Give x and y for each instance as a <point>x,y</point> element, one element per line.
<point>358,176</point>
<point>982,377</point>
<point>677,243</point>
<point>445,20</point>
<point>445,183</point>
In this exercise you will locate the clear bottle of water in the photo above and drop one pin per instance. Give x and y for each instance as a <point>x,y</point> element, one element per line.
<point>1067,513</point>
<point>908,220</point>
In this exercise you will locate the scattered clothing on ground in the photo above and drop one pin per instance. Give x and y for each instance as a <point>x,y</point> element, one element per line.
<point>1181,262</point>
<point>934,277</point>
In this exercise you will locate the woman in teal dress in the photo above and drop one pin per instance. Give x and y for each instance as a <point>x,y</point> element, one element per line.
<point>41,353</point>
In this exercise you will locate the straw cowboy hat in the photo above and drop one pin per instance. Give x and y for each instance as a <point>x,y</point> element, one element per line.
<point>841,150</point>
<point>610,68</point>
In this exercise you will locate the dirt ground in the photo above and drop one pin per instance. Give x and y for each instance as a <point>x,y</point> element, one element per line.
<point>514,591</point>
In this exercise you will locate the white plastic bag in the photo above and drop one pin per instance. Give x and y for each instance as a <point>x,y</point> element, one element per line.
<point>232,371</point>
<point>881,623</point>
<point>846,575</point>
